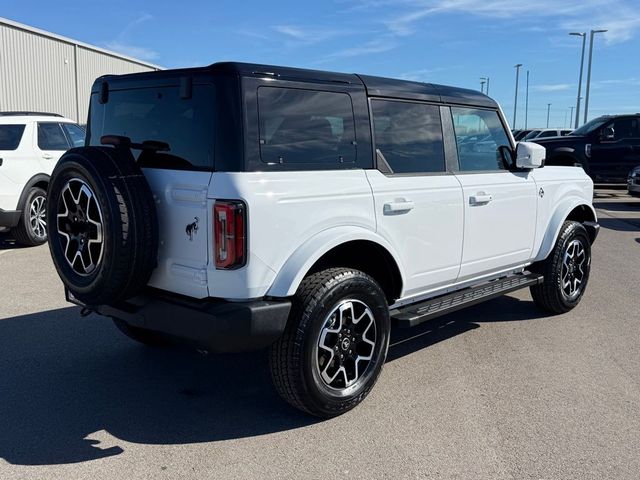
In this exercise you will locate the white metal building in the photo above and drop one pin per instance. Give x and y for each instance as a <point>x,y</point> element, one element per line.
<point>44,72</point>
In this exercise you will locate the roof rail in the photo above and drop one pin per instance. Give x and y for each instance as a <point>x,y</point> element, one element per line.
<point>41,114</point>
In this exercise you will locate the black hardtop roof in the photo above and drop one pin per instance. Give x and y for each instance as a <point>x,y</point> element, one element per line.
<point>375,86</point>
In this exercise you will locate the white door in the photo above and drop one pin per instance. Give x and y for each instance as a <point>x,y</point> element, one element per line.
<point>418,204</point>
<point>17,162</point>
<point>500,205</point>
<point>51,144</point>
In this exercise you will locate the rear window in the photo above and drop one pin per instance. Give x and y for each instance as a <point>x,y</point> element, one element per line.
<point>305,127</point>
<point>10,136</point>
<point>51,137</point>
<point>160,114</point>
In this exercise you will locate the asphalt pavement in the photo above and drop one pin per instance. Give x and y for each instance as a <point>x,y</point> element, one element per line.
<point>497,391</point>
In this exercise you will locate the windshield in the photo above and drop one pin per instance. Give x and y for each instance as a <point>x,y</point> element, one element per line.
<point>590,126</point>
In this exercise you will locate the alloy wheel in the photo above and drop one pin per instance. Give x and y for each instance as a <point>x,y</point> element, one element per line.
<point>80,227</point>
<point>574,269</point>
<point>37,217</point>
<point>346,344</point>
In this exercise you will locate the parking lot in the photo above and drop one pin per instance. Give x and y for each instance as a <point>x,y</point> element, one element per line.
<point>496,391</point>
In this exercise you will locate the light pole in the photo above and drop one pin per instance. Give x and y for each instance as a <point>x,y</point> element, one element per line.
<point>482,82</point>
<point>548,111</point>
<point>586,99</point>
<point>584,41</point>
<point>515,103</point>
<point>526,104</point>
<point>571,117</point>
<point>485,79</point>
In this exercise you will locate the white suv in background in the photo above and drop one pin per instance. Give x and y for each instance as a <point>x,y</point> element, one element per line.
<point>31,144</point>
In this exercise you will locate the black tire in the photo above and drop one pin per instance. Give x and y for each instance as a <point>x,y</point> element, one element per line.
<point>116,195</point>
<point>30,231</point>
<point>295,358</point>
<point>142,335</point>
<point>552,295</point>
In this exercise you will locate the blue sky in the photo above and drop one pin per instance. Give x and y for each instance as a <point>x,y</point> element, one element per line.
<point>442,41</point>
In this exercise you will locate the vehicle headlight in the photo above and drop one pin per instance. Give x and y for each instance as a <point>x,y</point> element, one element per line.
<point>587,150</point>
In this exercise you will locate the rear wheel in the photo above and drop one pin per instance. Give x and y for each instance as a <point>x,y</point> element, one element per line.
<point>32,228</point>
<point>335,344</point>
<point>566,270</point>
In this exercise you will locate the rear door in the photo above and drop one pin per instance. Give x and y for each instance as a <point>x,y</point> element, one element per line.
<point>179,178</point>
<point>51,144</point>
<point>499,205</point>
<point>418,201</point>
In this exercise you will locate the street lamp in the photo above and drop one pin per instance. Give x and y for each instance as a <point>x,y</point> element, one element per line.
<point>515,103</point>
<point>571,116</point>
<point>584,41</point>
<point>526,104</point>
<point>483,80</point>
<point>586,100</point>
<point>548,111</point>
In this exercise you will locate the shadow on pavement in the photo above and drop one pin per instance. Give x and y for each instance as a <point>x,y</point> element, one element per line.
<point>63,378</point>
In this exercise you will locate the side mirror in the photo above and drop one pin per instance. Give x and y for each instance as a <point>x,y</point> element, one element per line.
<point>530,155</point>
<point>607,134</point>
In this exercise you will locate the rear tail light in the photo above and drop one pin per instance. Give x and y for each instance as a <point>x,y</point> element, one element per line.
<point>229,232</point>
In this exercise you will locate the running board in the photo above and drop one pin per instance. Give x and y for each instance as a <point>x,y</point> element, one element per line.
<point>415,314</point>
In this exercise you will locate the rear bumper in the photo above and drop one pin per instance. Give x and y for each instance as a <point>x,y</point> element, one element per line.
<point>9,218</point>
<point>212,324</point>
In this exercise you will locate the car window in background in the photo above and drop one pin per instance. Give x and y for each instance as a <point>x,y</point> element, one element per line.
<point>590,126</point>
<point>548,133</point>
<point>479,134</point>
<point>409,136</point>
<point>531,135</point>
<point>51,137</point>
<point>76,134</point>
<point>10,136</point>
<point>564,133</point>
<point>305,126</point>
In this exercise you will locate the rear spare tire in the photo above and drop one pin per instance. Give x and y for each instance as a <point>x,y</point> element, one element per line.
<point>103,230</point>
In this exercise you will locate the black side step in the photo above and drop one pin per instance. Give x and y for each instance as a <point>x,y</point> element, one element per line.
<point>415,314</point>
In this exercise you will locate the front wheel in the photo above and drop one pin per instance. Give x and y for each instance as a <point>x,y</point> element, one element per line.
<point>566,270</point>
<point>335,344</point>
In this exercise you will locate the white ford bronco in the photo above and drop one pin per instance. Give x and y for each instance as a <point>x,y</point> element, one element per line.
<point>239,206</point>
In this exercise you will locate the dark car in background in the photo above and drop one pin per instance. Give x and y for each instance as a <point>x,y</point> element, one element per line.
<point>633,182</point>
<point>607,147</point>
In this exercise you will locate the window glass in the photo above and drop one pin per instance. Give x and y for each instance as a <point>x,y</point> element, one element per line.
<point>76,134</point>
<point>10,136</point>
<point>548,133</point>
<point>51,137</point>
<point>531,135</point>
<point>409,136</point>
<point>159,114</point>
<point>305,126</point>
<point>625,128</point>
<point>479,134</point>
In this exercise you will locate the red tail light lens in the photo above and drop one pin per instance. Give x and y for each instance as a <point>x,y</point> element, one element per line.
<point>229,232</point>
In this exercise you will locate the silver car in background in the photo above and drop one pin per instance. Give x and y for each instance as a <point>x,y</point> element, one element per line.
<point>633,182</point>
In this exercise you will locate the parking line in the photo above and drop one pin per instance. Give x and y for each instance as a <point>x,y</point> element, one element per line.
<point>5,251</point>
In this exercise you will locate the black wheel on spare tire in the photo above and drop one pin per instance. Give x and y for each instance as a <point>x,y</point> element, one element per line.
<point>103,230</point>
<point>32,227</point>
<point>335,343</point>
<point>566,270</point>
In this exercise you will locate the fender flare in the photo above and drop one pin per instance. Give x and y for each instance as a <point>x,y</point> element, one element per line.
<point>304,257</point>
<point>40,177</point>
<point>555,224</point>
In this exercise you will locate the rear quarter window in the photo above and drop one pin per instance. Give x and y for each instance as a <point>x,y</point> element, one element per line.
<point>10,136</point>
<point>312,127</point>
<point>160,114</point>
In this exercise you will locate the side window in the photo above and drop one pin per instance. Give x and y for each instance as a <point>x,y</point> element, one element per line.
<point>625,128</point>
<point>10,136</point>
<point>409,136</point>
<point>76,134</point>
<point>548,133</point>
<point>306,127</point>
<point>51,137</point>
<point>479,134</point>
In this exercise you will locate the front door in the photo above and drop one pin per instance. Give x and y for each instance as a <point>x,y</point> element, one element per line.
<point>418,203</point>
<point>499,205</point>
<point>613,158</point>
